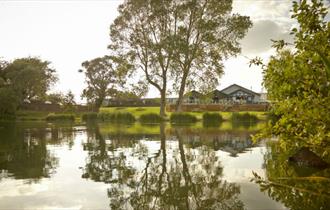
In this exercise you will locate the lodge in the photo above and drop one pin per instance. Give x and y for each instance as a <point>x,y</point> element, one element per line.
<point>233,94</point>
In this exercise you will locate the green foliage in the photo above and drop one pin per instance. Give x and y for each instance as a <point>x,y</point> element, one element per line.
<point>8,102</point>
<point>60,117</point>
<point>102,75</point>
<point>244,117</point>
<point>245,120</point>
<point>91,116</point>
<point>29,77</point>
<point>55,98</point>
<point>182,118</point>
<point>21,80</point>
<point>117,117</point>
<point>150,118</point>
<point>298,82</point>
<point>68,102</point>
<point>212,119</point>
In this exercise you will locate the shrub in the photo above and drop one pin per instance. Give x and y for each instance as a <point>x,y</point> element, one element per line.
<point>182,118</point>
<point>8,102</point>
<point>89,116</point>
<point>150,118</point>
<point>120,117</point>
<point>212,119</point>
<point>245,117</point>
<point>273,118</point>
<point>245,120</point>
<point>60,117</point>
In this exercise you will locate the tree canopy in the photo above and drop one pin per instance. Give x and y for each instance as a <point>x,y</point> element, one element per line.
<point>103,75</point>
<point>30,77</point>
<point>24,79</point>
<point>298,80</point>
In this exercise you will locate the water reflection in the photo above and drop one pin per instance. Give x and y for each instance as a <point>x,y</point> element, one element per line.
<point>23,153</point>
<point>169,175</point>
<point>299,188</point>
<point>150,167</point>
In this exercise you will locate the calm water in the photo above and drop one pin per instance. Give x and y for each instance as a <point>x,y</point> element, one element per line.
<point>105,166</point>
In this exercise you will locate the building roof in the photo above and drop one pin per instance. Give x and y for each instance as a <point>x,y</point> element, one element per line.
<point>225,90</point>
<point>217,93</point>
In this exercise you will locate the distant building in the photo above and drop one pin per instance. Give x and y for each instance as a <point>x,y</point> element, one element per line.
<point>238,93</point>
<point>217,96</point>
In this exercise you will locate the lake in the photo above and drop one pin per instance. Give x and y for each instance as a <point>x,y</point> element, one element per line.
<point>111,166</point>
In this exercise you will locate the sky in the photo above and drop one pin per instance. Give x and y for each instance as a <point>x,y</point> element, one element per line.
<point>68,32</point>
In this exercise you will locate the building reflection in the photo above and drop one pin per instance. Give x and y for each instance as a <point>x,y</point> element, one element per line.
<point>231,141</point>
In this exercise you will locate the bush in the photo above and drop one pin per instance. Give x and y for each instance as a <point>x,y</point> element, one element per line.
<point>245,120</point>
<point>8,102</point>
<point>245,117</point>
<point>60,117</point>
<point>89,116</point>
<point>212,119</point>
<point>273,118</point>
<point>150,118</point>
<point>182,118</point>
<point>120,117</point>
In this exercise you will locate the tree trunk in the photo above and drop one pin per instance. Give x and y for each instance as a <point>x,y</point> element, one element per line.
<point>98,104</point>
<point>162,111</point>
<point>181,92</point>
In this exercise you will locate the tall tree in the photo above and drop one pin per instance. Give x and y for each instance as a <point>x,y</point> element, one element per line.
<point>143,33</point>
<point>102,76</point>
<point>30,78</point>
<point>178,41</point>
<point>208,34</point>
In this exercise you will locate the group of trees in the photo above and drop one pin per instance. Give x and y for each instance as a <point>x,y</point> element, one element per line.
<point>29,80</point>
<point>24,79</point>
<point>171,45</point>
<point>297,79</point>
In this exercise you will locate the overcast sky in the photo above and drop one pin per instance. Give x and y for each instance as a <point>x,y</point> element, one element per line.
<point>72,31</point>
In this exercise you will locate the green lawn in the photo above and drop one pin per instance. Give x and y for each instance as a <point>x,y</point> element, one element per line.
<point>136,111</point>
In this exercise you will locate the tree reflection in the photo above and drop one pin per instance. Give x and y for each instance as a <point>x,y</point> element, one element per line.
<point>171,177</point>
<point>298,188</point>
<point>24,154</point>
<point>104,162</point>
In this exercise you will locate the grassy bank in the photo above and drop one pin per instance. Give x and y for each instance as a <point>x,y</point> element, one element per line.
<point>137,112</point>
